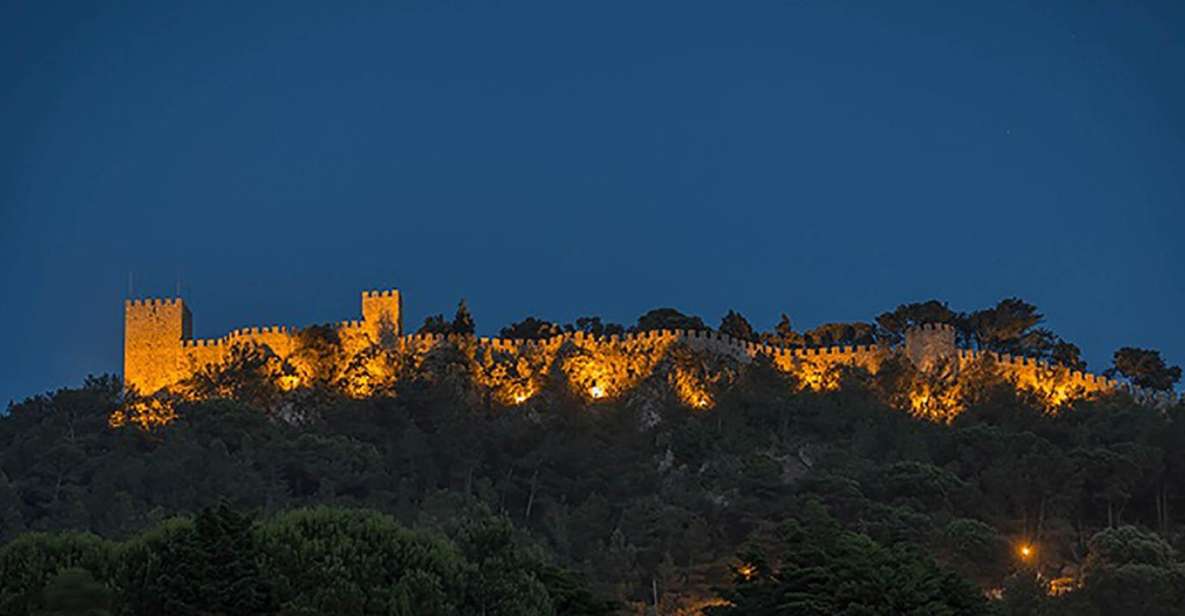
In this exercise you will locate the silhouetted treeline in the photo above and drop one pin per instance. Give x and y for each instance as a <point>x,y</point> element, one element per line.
<point>308,561</point>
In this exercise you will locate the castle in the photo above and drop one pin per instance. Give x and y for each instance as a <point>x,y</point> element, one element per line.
<point>159,348</point>
<point>159,351</point>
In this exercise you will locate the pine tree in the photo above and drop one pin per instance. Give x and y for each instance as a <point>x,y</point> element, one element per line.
<point>463,321</point>
<point>214,569</point>
<point>737,326</point>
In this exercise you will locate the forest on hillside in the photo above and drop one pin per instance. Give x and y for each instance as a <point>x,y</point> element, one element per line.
<point>780,499</point>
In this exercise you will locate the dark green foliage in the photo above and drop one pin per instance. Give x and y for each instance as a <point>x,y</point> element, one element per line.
<point>594,326</point>
<point>570,594</point>
<point>668,318</point>
<point>975,550</point>
<point>29,564</point>
<point>151,571</point>
<point>74,592</point>
<point>462,323</point>
<point>315,561</point>
<point>1129,571</point>
<point>462,320</point>
<point>735,325</point>
<point>368,564</point>
<point>435,324</point>
<point>50,451</point>
<point>246,372</point>
<point>1066,354</point>
<point>1145,368</point>
<point>219,558</point>
<point>207,565</point>
<point>1003,327</point>
<point>783,334</point>
<point>1026,594</point>
<point>819,569</point>
<point>837,334</point>
<point>504,578</point>
<point>530,328</point>
<point>892,325</point>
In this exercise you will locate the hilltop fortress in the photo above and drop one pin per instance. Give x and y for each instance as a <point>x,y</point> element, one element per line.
<point>159,348</point>
<point>160,351</point>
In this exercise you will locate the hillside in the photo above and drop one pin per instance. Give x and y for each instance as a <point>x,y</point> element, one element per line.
<point>631,502</point>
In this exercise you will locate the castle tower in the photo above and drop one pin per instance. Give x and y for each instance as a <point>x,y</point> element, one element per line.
<point>382,312</point>
<point>152,335</point>
<point>929,345</point>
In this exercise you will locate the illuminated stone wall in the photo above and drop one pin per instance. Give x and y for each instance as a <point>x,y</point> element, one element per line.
<point>609,366</point>
<point>153,331</point>
<point>1058,383</point>
<point>159,348</point>
<point>159,351</point>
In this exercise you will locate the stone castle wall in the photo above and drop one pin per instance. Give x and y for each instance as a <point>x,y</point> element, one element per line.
<point>931,346</point>
<point>159,349</point>
<point>1036,374</point>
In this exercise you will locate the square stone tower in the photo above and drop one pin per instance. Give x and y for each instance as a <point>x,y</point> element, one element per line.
<point>382,313</point>
<point>152,335</point>
<point>931,345</point>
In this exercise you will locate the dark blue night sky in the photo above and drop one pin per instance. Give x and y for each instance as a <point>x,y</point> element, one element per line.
<point>817,158</point>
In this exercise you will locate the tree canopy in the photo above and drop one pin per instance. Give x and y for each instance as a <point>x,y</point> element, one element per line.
<point>462,322</point>
<point>892,325</point>
<point>668,318</point>
<point>735,325</point>
<point>530,328</point>
<point>1145,368</point>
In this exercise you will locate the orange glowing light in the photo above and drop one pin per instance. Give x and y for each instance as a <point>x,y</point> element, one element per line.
<point>596,392</point>
<point>289,382</point>
<point>1026,551</point>
<point>146,413</point>
<point>520,398</point>
<point>747,571</point>
<point>1061,586</point>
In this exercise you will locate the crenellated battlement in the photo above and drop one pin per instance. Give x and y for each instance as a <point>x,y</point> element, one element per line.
<point>787,358</point>
<point>1038,373</point>
<point>154,301</point>
<point>203,342</point>
<point>159,349</point>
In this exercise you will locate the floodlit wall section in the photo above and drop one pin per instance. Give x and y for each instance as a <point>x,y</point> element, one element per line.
<point>159,349</point>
